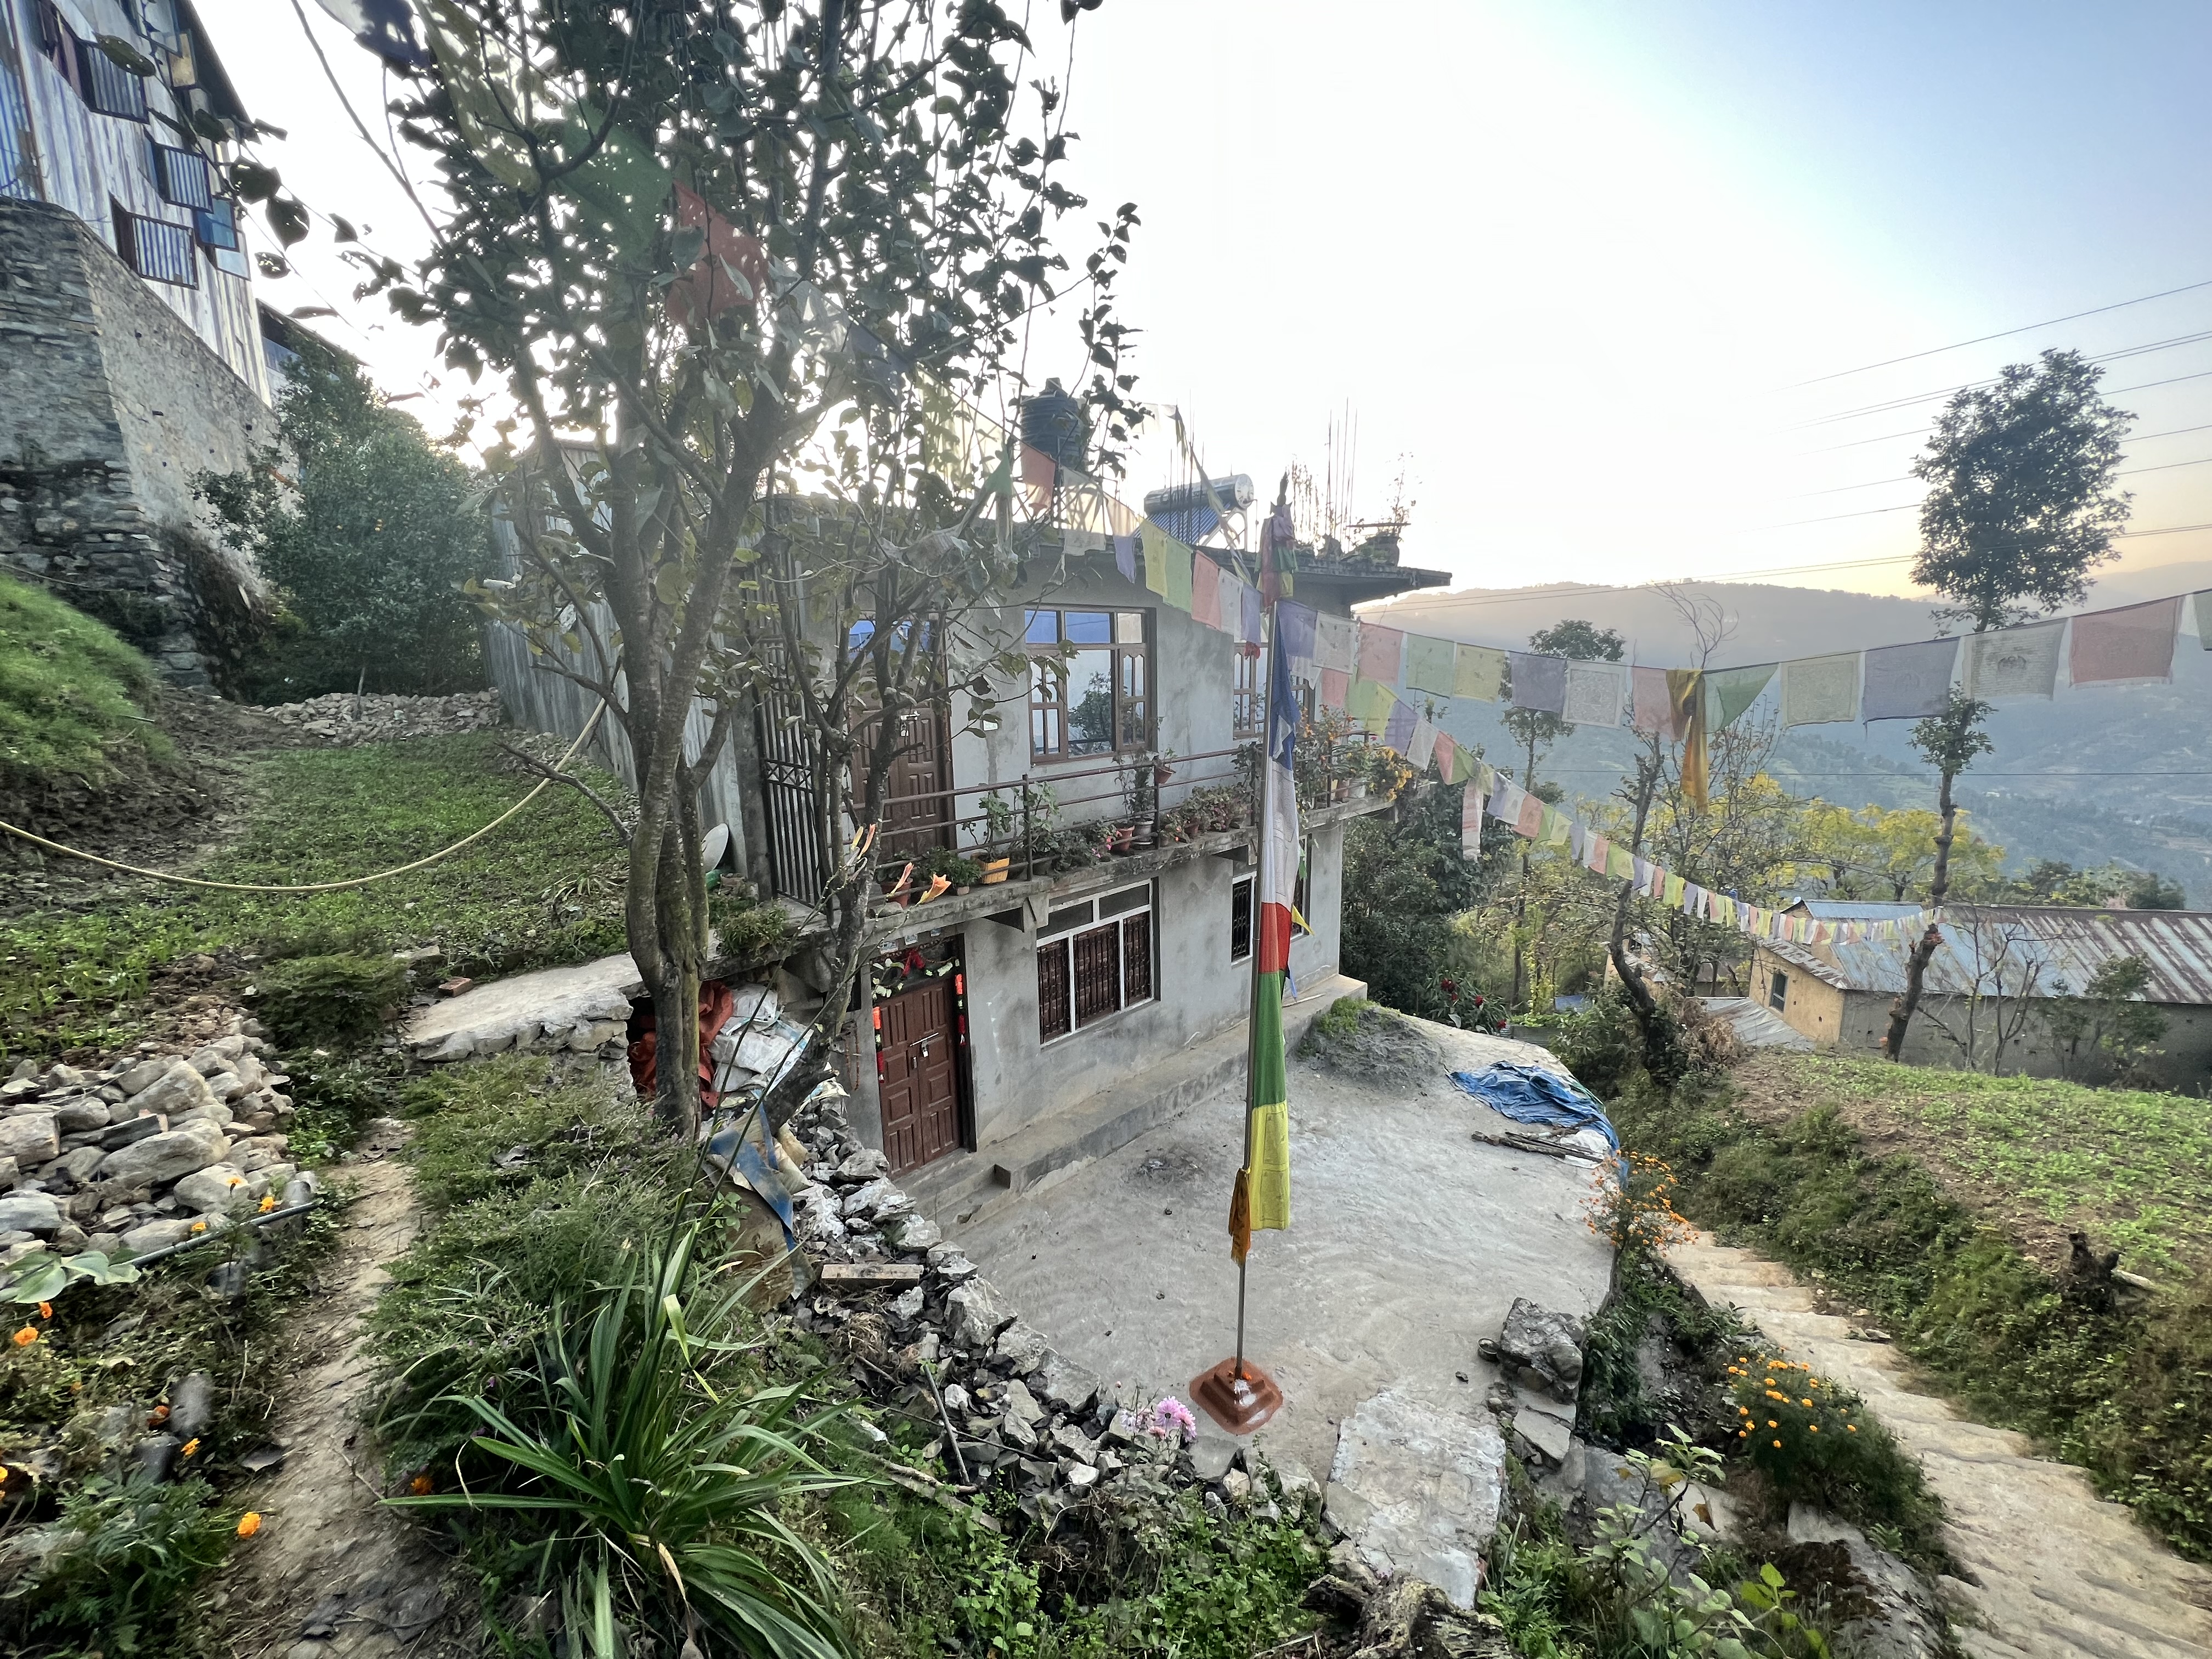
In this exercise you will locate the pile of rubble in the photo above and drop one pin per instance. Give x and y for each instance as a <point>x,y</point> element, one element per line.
<point>933,1342</point>
<point>151,1150</point>
<point>343,720</point>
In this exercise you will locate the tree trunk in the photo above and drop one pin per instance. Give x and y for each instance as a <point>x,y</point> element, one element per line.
<point>1916,965</point>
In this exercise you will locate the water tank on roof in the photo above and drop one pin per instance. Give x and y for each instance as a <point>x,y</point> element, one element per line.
<point>1187,513</point>
<point>1053,424</point>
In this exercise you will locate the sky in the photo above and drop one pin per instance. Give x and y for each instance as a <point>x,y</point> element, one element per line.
<point>1566,263</point>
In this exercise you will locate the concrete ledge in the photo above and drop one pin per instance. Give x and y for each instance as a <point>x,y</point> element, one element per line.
<point>1110,1119</point>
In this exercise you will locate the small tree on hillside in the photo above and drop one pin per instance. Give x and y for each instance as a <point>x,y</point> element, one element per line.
<point>2107,1021</point>
<point>367,529</point>
<point>2021,508</point>
<point>1881,853</point>
<point>1536,730</point>
<point>736,265</point>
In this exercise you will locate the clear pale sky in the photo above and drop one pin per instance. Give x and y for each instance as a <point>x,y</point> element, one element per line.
<point>1564,256</point>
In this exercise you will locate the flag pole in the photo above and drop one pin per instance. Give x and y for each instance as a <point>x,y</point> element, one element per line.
<point>1252,994</point>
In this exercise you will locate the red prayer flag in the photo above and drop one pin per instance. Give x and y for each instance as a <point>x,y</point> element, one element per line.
<point>2135,642</point>
<point>733,272</point>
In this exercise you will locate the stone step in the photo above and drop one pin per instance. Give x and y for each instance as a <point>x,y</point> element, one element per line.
<point>962,1186</point>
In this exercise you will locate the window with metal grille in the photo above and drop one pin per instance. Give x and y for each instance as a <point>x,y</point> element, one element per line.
<point>157,250</point>
<point>182,177</point>
<point>1249,711</point>
<point>1777,995</point>
<point>1240,917</point>
<point>58,45</point>
<point>108,87</point>
<point>15,174</point>
<point>1090,682</point>
<point>1094,958</point>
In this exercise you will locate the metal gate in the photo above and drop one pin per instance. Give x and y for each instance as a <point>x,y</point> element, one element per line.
<point>786,753</point>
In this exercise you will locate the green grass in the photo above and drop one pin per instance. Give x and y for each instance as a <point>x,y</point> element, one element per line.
<point>2127,1167</point>
<point>543,889</point>
<point>72,696</point>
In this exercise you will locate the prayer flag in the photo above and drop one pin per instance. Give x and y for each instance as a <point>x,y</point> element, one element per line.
<point>1685,692</point>
<point>1154,541</point>
<point>1232,601</point>
<point>1447,757</point>
<point>1619,863</point>
<point>732,268</point>
<point>1423,746</point>
<point>1654,709</point>
<point>1038,469</point>
<point>1470,820</point>
<point>1479,672</point>
<point>1729,691</point>
<point>1335,687</point>
<point>2132,644</point>
<point>1264,1183</point>
<point>1908,682</point>
<point>1597,852</point>
<point>1558,828</point>
<point>1125,558</point>
<point>1296,623</point>
<point>1248,611</point>
<point>1539,683</point>
<point>2203,605</point>
<point>1505,799</point>
<point>2014,662</point>
<point>1381,652</point>
<point>1205,590</point>
<point>1820,690</point>
<point>1430,665</point>
<point>1529,822</point>
<point>1370,704</point>
<point>1398,730</point>
<point>1463,766</point>
<point>1672,893</point>
<point>1336,643</point>
<point>1594,693</point>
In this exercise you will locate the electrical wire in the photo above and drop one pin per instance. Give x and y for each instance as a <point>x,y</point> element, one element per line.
<point>2175,341</point>
<point>2003,333</point>
<point>2127,472</point>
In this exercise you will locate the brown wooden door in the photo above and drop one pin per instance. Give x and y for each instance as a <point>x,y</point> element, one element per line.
<point>919,1082</point>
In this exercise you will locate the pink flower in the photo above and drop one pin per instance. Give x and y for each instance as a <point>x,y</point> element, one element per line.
<point>1173,1413</point>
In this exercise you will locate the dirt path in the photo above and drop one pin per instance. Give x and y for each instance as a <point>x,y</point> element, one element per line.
<point>333,1574</point>
<point>2057,1572</point>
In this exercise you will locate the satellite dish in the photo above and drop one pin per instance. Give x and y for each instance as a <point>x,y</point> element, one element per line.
<point>711,849</point>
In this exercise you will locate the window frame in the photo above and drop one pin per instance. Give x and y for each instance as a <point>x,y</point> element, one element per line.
<point>1088,920</point>
<point>102,82</point>
<point>1048,667</point>
<point>1248,694</point>
<point>1243,890</point>
<point>1777,992</point>
<point>168,158</point>
<point>127,246</point>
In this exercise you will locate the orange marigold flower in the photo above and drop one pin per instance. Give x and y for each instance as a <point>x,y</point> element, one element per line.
<point>26,1336</point>
<point>189,1447</point>
<point>249,1523</point>
<point>1812,1428</point>
<point>1851,1428</point>
<point>1777,1445</point>
<point>46,1310</point>
<point>421,1486</point>
<point>268,1202</point>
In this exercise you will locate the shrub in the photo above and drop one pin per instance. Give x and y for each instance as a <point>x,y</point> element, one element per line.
<point>1600,1043</point>
<point>343,999</point>
<point>747,931</point>
<point>115,1568</point>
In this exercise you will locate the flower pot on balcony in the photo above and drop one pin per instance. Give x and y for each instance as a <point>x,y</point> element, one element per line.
<point>994,870</point>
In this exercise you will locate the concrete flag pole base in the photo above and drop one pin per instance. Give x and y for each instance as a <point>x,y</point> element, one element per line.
<point>1238,1394</point>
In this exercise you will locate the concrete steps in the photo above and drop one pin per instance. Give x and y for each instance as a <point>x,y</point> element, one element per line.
<point>961,1186</point>
<point>2057,1572</point>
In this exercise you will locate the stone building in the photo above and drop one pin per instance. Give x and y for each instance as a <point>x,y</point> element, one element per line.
<point>131,353</point>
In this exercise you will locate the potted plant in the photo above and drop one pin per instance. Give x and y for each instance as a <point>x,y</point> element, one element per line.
<point>998,816</point>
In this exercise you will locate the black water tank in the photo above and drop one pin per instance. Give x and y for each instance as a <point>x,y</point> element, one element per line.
<point>1053,424</point>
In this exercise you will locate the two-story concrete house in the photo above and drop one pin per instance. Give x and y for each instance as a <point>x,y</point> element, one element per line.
<point>131,352</point>
<point>1047,1015</point>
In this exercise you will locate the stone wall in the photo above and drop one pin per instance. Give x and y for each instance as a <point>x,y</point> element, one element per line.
<point>109,403</point>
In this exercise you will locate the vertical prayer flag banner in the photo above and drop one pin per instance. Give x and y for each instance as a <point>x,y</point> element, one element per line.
<point>1470,819</point>
<point>1820,690</point>
<point>1248,611</point>
<point>1267,1173</point>
<point>1430,665</point>
<point>1479,672</point>
<point>2014,662</point>
<point>1205,590</point>
<point>1729,691</point>
<point>1654,713</point>
<point>1539,682</point>
<point>1423,746</point>
<point>2201,603</point>
<point>1685,692</point>
<point>1296,622</point>
<point>1381,654</point>
<point>1125,558</point>
<point>1335,689</point>
<point>1908,682</point>
<point>1153,541</point>
<point>2133,645</point>
<point>1336,643</point>
<point>1594,693</point>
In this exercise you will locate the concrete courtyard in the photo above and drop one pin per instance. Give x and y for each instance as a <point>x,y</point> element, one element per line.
<point>1409,1241</point>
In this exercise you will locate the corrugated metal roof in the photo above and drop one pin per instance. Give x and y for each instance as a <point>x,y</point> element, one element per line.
<point>2035,950</point>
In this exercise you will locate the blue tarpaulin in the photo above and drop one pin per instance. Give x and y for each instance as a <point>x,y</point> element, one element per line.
<point>1534,1094</point>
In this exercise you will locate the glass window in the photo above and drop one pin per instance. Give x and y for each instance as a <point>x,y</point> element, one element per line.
<point>1090,972</point>
<point>1777,996</point>
<point>1096,698</point>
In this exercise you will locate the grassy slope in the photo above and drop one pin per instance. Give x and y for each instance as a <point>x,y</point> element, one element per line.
<point>72,696</point>
<point>2035,1157</point>
<point>544,888</point>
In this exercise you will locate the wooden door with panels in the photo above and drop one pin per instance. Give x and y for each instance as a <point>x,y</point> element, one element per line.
<point>918,1078</point>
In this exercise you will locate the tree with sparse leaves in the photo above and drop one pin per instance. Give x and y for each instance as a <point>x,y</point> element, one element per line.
<point>743,268</point>
<point>2021,507</point>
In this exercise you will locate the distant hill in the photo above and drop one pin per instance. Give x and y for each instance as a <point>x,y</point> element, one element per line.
<point>2046,792</point>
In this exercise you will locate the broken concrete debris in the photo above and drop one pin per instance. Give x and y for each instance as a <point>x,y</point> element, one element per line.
<point>1540,1349</point>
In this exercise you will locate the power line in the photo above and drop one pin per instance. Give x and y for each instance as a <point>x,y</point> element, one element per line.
<point>2003,333</point>
<point>2133,437</point>
<point>2127,472</point>
<point>1972,386</point>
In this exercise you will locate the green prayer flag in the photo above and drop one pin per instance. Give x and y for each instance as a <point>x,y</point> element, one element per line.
<point>1729,691</point>
<point>1430,665</point>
